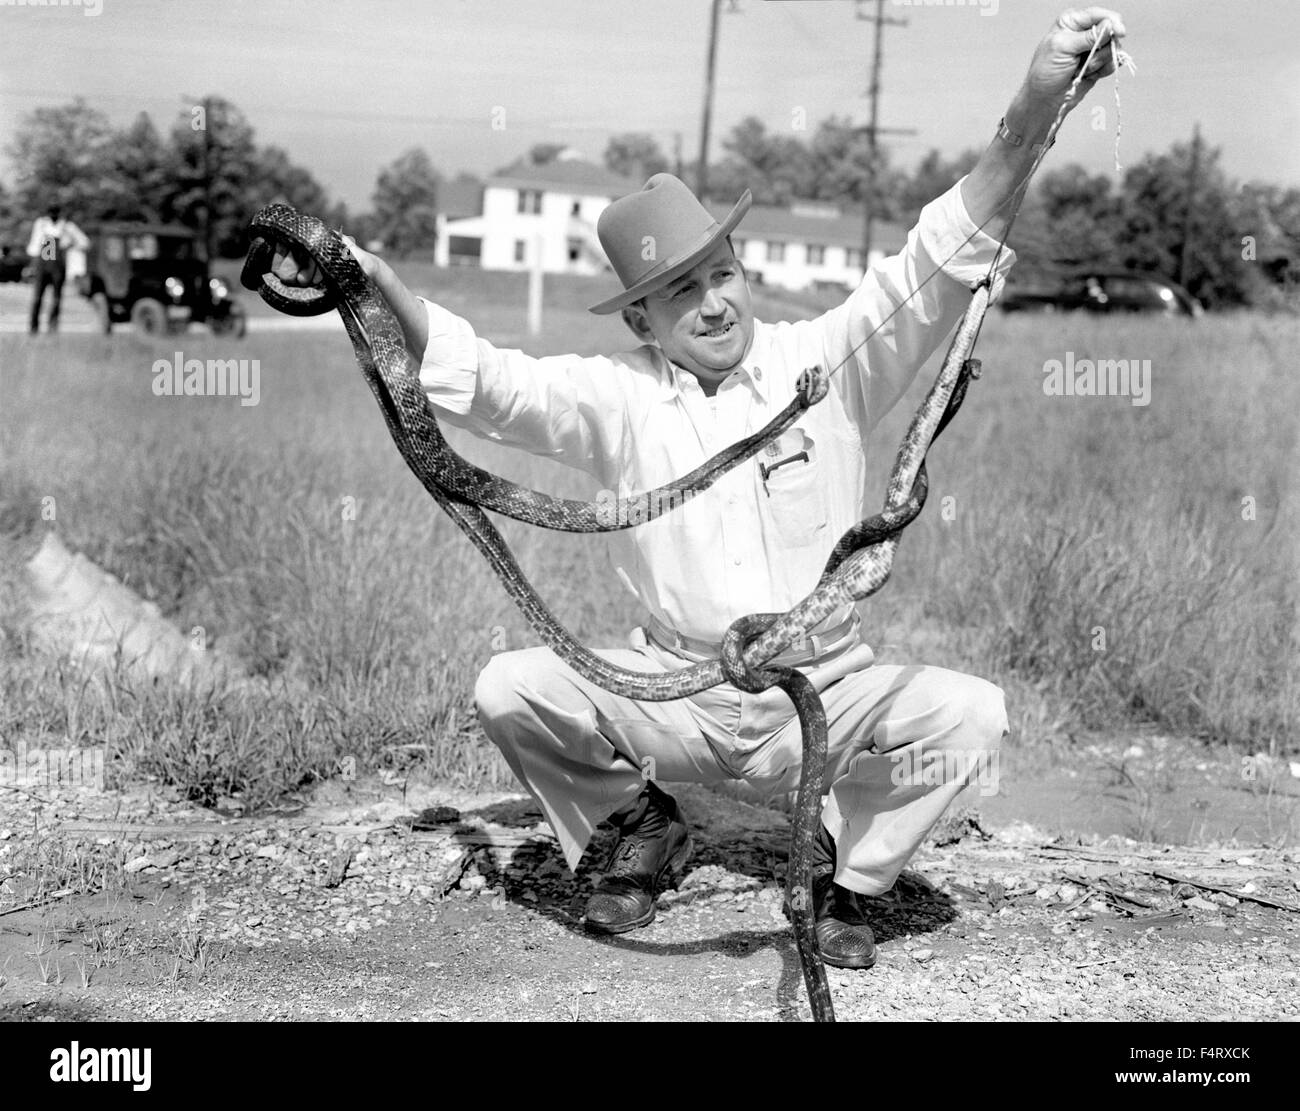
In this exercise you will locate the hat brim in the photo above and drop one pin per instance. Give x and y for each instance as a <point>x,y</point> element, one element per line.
<point>678,266</point>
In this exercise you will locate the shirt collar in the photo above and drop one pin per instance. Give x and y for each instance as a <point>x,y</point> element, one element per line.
<point>752,367</point>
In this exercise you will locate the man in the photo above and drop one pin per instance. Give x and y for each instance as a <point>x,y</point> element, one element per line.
<point>707,374</point>
<point>53,241</point>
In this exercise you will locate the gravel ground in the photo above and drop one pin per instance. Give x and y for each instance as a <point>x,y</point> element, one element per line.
<point>371,904</point>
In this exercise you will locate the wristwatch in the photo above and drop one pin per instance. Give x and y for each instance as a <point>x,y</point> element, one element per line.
<point>1008,136</point>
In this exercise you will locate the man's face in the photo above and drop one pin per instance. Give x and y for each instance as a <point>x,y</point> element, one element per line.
<point>704,320</point>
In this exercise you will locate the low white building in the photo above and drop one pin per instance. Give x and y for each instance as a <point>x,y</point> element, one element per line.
<point>548,211</point>
<point>808,245</point>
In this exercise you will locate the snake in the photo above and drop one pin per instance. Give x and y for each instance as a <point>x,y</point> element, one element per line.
<point>858,565</point>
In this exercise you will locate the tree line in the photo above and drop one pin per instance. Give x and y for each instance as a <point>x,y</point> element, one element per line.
<point>1174,214</point>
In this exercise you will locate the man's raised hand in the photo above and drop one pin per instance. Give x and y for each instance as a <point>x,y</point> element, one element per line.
<point>1057,60</point>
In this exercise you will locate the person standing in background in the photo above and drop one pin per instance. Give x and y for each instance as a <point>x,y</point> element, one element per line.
<point>52,241</point>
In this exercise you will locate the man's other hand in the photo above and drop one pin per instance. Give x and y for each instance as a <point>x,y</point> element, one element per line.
<point>294,266</point>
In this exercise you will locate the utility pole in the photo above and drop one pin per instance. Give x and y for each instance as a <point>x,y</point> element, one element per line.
<point>873,128</point>
<point>1193,172</point>
<point>702,173</point>
<point>207,180</point>
<point>204,105</point>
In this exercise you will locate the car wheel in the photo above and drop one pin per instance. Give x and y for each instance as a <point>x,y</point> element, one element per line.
<point>102,313</point>
<point>149,317</point>
<point>235,324</point>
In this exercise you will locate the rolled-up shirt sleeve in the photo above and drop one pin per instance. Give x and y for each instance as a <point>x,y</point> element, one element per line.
<point>565,407</point>
<point>907,304</point>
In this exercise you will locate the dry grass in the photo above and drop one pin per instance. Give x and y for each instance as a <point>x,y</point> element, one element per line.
<point>1071,515</point>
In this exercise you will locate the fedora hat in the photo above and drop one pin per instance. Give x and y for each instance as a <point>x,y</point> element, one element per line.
<point>658,233</point>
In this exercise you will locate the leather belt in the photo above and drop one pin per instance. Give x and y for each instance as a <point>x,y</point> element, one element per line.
<point>816,645</point>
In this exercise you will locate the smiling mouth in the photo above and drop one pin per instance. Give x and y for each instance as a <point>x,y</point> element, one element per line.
<point>717,333</point>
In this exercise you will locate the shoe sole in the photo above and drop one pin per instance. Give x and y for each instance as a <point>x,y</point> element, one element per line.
<point>674,866</point>
<point>857,963</point>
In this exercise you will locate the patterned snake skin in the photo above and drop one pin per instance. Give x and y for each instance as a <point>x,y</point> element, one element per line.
<point>858,566</point>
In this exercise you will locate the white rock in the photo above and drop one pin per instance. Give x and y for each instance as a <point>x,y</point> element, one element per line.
<point>922,955</point>
<point>131,867</point>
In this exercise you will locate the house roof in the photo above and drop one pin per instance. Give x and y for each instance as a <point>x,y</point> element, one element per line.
<point>566,175</point>
<point>806,222</point>
<point>460,197</point>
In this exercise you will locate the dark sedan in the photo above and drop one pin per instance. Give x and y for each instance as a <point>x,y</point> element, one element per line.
<point>1103,292</point>
<point>13,264</point>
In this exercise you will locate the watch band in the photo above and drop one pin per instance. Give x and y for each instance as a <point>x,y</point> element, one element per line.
<point>1008,136</point>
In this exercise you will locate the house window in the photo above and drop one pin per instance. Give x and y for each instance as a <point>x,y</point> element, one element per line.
<point>520,248</point>
<point>575,209</point>
<point>775,252</point>
<point>816,254</point>
<point>530,200</point>
<point>853,258</point>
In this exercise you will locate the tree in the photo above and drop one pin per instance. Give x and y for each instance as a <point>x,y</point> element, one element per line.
<point>1155,231</point>
<point>58,156</point>
<point>214,156</point>
<point>933,176</point>
<point>542,153</point>
<point>139,183</point>
<point>776,167</point>
<point>635,154</point>
<point>406,203</point>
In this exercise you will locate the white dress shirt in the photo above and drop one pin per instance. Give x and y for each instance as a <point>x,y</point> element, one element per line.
<point>62,233</point>
<point>635,421</point>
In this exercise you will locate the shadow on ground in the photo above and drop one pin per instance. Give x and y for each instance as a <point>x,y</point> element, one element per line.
<point>537,869</point>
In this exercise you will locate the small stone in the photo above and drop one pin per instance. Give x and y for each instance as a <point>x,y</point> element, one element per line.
<point>922,955</point>
<point>5,834</point>
<point>131,867</point>
<point>1046,892</point>
<point>588,988</point>
<point>1197,903</point>
<point>270,852</point>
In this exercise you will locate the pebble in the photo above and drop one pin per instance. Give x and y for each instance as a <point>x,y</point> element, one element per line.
<point>922,955</point>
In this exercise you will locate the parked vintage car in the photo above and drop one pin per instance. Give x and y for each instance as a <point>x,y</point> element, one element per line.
<point>13,264</point>
<point>155,276</point>
<point>1102,292</point>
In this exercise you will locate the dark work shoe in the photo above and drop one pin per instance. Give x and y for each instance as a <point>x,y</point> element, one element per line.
<point>653,840</point>
<point>843,936</point>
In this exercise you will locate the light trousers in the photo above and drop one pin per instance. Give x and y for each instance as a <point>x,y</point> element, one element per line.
<point>903,743</point>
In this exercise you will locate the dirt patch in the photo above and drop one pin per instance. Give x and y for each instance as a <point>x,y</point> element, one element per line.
<point>353,909</point>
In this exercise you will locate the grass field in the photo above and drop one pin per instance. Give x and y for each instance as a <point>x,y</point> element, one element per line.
<point>1095,557</point>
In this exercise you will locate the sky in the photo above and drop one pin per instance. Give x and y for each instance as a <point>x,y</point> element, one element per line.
<point>345,86</point>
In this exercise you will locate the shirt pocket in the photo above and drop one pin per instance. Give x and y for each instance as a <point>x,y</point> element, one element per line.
<point>792,488</point>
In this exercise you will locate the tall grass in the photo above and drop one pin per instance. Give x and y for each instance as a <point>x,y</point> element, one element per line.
<point>1095,559</point>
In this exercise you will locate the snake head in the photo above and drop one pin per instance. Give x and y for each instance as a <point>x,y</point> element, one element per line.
<point>812,385</point>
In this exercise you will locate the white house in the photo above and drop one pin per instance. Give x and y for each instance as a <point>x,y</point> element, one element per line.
<point>551,209</point>
<point>808,244</point>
